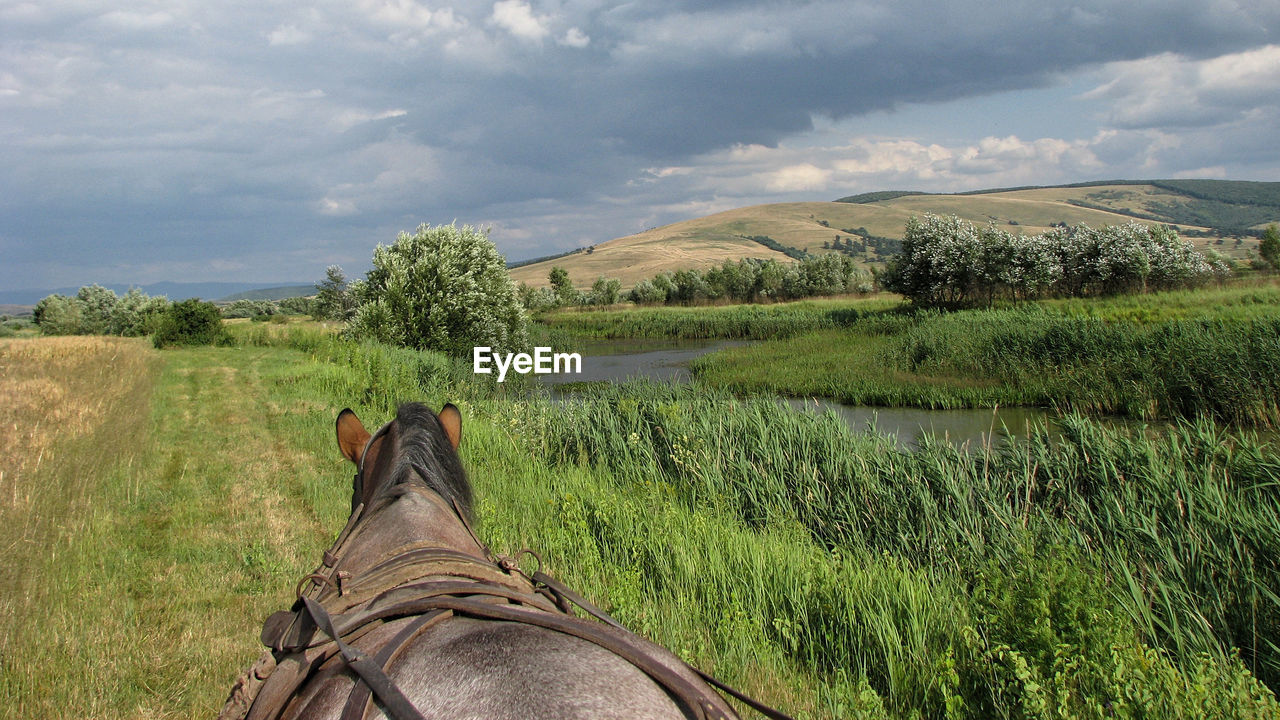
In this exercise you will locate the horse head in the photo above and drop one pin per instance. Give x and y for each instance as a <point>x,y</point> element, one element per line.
<point>417,445</point>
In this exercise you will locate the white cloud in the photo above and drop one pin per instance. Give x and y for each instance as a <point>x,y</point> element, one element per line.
<point>756,172</point>
<point>575,38</point>
<point>804,177</point>
<point>517,18</point>
<point>337,207</point>
<point>347,119</point>
<point>1169,90</point>
<point>288,35</point>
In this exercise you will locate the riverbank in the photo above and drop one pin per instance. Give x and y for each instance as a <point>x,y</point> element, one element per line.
<point>1157,356</point>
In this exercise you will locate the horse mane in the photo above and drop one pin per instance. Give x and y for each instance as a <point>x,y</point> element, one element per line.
<point>425,455</point>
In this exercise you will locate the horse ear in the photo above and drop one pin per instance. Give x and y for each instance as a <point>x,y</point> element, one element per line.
<point>351,435</point>
<point>451,419</point>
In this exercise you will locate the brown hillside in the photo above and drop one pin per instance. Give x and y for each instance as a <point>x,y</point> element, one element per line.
<point>706,241</point>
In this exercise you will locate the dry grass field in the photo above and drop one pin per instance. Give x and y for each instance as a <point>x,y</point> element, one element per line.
<point>148,512</point>
<point>72,410</point>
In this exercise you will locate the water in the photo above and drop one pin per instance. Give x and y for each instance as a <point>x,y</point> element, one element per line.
<point>668,361</point>
<point>619,360</point>
<point>977,426</point>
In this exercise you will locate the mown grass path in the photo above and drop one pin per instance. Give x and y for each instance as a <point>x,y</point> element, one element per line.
<point>190,519</point>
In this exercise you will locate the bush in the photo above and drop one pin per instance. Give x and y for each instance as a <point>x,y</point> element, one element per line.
<point>191,322</point>
<point>443,288</point>
<point>645,293</point>
<point>58,315</point>
<point>137,313</point>
<point>605,291</point>
<point>535,299</point>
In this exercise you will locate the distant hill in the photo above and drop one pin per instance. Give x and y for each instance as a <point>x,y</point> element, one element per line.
<point>171,290</point>
<point>1221,214</point>
<point>272,293</point>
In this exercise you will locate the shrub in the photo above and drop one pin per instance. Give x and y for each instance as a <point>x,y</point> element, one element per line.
<point>536,298</point>
<point>97,305</point>
<point>191,322</point>
<point>1269,246</point>
<point>605,291</point>
<point>443,288</point>
<point>137,313</point>
<point>58,315</point>
<point>645,293</point>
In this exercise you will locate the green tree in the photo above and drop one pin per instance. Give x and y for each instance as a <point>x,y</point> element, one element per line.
<point>442,288</point>
<point>97,304</point>
<point>334,300</point>
<point>565,292</point>
<point>644,293</point>
<point>58,315</point>
<point>1269,247</point>
<point>191,322</point>
<point>137,313</point>
<point>605,291</point>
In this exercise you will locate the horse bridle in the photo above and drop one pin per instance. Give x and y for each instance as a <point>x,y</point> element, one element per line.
<point>358,480</point>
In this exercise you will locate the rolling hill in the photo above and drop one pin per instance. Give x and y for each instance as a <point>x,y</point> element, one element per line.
<point>1224,215</point>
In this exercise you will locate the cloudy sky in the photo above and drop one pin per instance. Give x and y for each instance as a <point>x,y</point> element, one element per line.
<point>262,141</point>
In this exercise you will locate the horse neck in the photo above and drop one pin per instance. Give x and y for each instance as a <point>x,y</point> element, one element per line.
<point>417,518</point>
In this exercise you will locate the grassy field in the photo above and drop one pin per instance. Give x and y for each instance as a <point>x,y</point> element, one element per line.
<point>828,572</point>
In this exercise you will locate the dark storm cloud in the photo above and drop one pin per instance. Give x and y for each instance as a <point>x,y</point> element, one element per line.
<point>151,137</point>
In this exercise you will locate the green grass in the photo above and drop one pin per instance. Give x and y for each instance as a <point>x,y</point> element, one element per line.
<point>828,572</point>
<point>1167,355</point>
<point>732,322</point>
<point>1059,552</point>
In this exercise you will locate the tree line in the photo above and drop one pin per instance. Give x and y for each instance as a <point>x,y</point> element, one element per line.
<point>747,280</point>
<point>96,310</point>
<point>949,262</point>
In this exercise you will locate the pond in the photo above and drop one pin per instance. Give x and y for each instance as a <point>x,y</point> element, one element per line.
<point>668,361</point>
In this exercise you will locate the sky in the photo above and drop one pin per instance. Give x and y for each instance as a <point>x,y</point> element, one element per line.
<point>263,141</point>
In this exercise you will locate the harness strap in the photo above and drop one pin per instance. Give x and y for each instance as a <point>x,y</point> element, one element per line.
<point>396,705</point>
<point>558,588</point>
<point>685,693</point>
<point>361,693</point>
<point>751,702</point>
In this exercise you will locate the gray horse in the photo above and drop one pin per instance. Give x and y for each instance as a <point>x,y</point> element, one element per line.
<point>410,591</point>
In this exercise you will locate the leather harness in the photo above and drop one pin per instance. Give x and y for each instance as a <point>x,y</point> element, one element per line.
<point>425,584</point>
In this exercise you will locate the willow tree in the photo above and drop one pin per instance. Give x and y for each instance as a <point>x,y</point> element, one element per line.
<point>442,288</point>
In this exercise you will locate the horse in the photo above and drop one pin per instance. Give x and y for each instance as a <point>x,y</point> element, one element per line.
<point>410,615</point>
